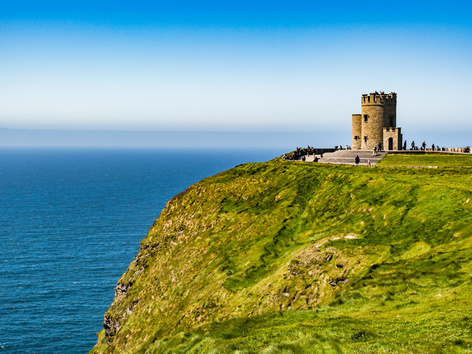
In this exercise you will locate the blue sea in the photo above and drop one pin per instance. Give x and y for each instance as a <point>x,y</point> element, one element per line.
<point>71,222</point>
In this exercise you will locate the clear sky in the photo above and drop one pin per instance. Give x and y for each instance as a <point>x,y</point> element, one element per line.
<point>232,65</point>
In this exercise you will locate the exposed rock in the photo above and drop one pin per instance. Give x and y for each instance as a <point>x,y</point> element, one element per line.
<point>122,289</point>
<point>110,325</point>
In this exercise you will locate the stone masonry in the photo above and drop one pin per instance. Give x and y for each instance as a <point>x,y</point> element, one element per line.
<point>377,123</point>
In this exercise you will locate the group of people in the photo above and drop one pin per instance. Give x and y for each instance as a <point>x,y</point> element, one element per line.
<point>298,154</point>
<point>377,149</point>
<point>423,147</point>
<point>301,153</point>
<point>434,147</point>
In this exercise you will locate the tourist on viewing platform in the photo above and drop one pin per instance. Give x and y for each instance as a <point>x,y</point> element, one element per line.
<point>404,145</point>
<point>432,147</point>
<point>357,160</point>
<point>412,145</point>
<point>374,151</point>
<point>380,147</point>
<point>423,146</point>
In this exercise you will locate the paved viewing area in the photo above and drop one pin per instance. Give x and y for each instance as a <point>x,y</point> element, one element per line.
<point>347,157</point>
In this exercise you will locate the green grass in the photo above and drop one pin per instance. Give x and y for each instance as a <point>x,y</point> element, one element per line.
<point>331,329</point>
<point>427,159</point>
<point>288,257</point>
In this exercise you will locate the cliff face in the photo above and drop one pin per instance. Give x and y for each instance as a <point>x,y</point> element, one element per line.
<point>263,256</point>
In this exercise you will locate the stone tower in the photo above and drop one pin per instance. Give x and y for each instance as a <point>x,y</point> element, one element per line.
<point>377,123</point>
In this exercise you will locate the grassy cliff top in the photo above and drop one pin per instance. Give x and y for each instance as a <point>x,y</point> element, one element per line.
<point>431,159</point>
<point>300,257</point>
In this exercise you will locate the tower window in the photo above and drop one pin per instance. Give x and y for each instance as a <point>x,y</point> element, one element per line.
<point>356,137</point>
<point>365,139</point>
<point>365,117</point>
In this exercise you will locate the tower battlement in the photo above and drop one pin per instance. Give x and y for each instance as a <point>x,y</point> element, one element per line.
<point>379,98</point>
<point>376,126</point>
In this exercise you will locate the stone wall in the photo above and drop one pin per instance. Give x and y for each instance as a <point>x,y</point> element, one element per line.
<point>397,138</point>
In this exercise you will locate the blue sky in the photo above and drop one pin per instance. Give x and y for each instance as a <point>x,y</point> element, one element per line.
<point>232,65</point>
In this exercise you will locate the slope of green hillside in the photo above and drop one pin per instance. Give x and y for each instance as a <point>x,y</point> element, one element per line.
<point>299,257</point>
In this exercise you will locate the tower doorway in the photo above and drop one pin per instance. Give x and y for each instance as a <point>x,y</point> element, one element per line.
<point>390,143</point>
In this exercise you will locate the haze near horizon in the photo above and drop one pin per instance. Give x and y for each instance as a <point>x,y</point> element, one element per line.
<point>246,66</point>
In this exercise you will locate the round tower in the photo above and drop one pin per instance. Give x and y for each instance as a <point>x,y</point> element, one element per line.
<point>356,131</point>
<point>379,111</point>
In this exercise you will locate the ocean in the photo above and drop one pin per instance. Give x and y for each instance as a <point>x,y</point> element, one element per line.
<point>70,224</point>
